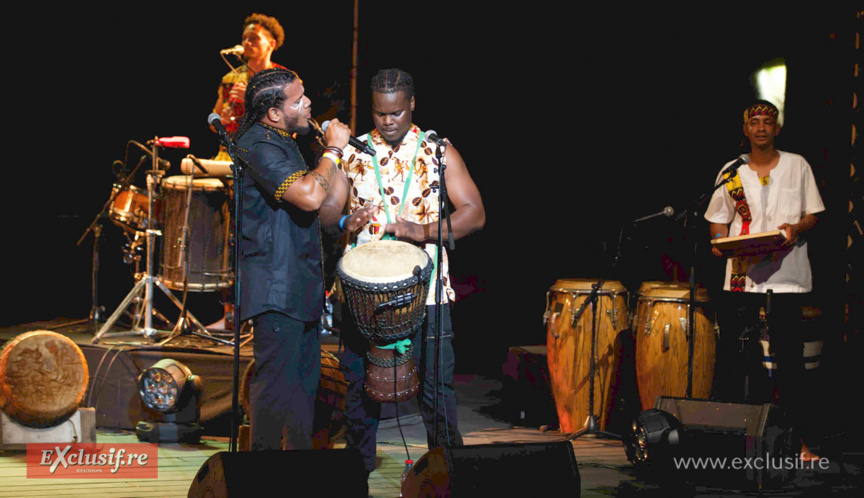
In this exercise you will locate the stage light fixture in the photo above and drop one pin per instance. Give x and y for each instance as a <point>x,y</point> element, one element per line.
<point>173,392</point>
<point>653,435</point>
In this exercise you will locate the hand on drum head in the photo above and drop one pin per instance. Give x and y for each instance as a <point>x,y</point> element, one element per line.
<point>406,230</point>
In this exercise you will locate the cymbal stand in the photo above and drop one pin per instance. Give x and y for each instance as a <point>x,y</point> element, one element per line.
<point>148,279</point>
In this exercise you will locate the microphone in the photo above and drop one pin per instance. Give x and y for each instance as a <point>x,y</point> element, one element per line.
<point>742,160</point>
<point>668,211</point>
<point>215,121</point>
<point>357,144</point>
<point>235,50</point>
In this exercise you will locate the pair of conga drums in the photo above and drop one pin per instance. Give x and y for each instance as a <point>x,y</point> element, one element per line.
<point>659,328</point>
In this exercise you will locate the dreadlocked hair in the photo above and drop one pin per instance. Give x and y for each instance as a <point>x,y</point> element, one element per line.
<point>392,81</point>
<point>265,90</point>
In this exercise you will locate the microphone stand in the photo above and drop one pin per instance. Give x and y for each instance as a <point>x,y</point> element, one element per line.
<point>592,427</point>
<point>443,211</point>
<point>691,309</point>
<point>239,167</point>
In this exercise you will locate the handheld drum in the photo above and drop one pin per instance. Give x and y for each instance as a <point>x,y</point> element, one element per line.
<point>385,284</point>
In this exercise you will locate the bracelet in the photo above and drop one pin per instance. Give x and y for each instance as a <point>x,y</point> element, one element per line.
<point>331,156</point>
<point>334,149</point>
<point>342,222</point>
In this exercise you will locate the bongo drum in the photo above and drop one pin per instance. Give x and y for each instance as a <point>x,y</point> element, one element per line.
<point>568,343</point>
<point>385,284</point>
<point>661,328</point>
<point>206,238</point>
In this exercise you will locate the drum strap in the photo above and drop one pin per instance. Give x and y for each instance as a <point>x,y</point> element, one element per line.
<point>738,274</point>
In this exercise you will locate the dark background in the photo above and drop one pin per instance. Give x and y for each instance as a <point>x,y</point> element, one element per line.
<point>573,121</point>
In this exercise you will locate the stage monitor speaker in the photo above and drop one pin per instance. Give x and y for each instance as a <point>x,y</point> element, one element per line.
<point>755,440</point>
<point>336,473</point>
<point>530,469</point>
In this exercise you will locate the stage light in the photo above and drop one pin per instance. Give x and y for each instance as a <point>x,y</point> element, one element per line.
<point>654,433</point>
<point>171,390</point>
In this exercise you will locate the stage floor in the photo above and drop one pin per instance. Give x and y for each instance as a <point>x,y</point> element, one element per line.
<point>484,417</point>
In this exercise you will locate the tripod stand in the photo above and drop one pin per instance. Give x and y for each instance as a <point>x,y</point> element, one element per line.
<point>148,280</point>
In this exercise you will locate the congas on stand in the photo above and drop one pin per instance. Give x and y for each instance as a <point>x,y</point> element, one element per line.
<point>661,328</point>
<point>207,234</point>
<point>385,284</point>
<point>568,344</point>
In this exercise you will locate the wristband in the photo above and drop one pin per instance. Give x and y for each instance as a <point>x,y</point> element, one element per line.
<point>331,156</point>
<point>342,222</point>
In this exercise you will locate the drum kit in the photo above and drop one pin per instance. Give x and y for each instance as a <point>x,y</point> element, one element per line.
<point>185,220</point>
<point>585,372</point>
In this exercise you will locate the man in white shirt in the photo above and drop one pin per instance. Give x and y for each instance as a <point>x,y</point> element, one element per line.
<point>772,190</point>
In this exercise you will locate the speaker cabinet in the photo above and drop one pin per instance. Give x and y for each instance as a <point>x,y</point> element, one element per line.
<point>531,469</point>
<point>744,444</point>
<point>336,473</point>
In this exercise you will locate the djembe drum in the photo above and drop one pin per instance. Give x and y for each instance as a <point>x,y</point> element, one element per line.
<point>385,284</point>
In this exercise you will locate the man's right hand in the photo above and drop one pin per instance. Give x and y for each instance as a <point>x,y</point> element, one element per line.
<point>337,134</point>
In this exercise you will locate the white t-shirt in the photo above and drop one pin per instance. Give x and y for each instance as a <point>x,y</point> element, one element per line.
<point>791,193</point>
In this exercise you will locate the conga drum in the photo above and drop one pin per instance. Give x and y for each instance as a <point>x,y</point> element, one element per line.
<point>661,327</point>
<point>568,344</point>
<point>328,425</point>
<point>385,284</point>
<point>43,378</point>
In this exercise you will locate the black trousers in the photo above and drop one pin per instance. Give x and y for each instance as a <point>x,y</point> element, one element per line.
<point>739,374</point>
<point>283,388</point>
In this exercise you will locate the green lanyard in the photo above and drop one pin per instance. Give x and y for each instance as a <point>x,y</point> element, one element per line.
<point>407,183</point>
<point>388,236</point>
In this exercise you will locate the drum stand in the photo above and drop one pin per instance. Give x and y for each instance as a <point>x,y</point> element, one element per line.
<point>147,280</point>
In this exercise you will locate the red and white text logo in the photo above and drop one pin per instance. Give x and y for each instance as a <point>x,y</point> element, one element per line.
<point>68,461</point>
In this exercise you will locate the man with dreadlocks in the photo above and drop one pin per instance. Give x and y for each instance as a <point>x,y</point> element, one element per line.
<point>392,195</point>
<point>773,190</point>
<point>282,281</point>
<point>262,35</point>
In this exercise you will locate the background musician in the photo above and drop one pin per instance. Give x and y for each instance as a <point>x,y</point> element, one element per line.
<point>262,35</point>
<point>405,207</point>
<point>773,190</point>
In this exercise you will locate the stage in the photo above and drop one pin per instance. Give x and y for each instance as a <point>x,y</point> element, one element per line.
<point>514,407</point>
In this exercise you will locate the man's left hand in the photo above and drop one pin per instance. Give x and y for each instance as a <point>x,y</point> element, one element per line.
<point>404,229</point>
<point>791,233</point>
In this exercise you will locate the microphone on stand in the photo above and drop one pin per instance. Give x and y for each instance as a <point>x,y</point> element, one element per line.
<point>235,50</point>
<point>668,211</point>
<point>356,143</point>
<point>742,160</point>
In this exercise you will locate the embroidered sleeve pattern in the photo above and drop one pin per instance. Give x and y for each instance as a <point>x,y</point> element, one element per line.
<point>287,183</point>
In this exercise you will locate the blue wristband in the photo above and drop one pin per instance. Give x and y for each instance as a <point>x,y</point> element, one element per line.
<point>342,222</point>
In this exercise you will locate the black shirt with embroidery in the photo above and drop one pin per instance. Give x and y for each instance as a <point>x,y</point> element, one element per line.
<point>280,261</point>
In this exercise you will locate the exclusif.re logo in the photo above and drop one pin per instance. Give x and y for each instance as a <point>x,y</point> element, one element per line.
<point>69,461</point>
